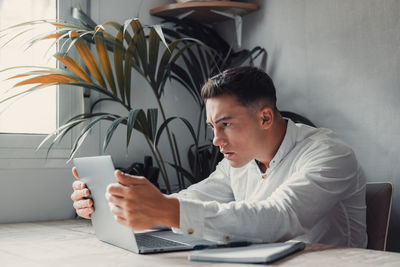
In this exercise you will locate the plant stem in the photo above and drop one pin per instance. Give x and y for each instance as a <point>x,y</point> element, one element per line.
<point>160,164</point>
<point>167,128</point>
<point>169,136</point>
<point>196,154</point>
<point>166,181</point>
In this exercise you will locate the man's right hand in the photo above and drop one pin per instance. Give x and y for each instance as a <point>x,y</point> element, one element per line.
<point>82,204</point>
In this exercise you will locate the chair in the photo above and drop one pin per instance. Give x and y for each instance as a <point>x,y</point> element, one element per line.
<point>297,118</point>
<point>379,204</point>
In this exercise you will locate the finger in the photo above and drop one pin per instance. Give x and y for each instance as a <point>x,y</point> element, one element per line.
<point>82,204</point>
<point>85,213</point>
<point>80,194</point>
<point>77,185</point>
<point>129,180</point>
<point>115,200</point>
<point>75,173</point>
<point>122,220</point>
<point>117,211</point>
<point>118,190</point>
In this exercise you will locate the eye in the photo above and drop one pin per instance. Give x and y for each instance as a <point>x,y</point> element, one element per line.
<point>227,124</point>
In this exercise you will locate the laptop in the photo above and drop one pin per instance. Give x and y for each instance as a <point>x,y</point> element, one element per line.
<point>98,173</point>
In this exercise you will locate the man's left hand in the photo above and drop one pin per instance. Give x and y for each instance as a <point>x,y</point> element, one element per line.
<point>138,204</point>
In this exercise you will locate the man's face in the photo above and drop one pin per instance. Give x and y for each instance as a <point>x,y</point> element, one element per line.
<point>236,129</point>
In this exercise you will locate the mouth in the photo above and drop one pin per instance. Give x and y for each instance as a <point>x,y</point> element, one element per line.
<point>228,155</point>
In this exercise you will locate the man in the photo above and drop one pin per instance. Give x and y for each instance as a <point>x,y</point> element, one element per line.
<point>278,181</point>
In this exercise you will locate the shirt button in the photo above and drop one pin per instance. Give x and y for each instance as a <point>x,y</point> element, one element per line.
<point>264,176</point>
<point>227,238</point>
<point>190,231</point>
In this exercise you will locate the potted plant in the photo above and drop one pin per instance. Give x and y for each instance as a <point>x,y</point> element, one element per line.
<point>151,51</point>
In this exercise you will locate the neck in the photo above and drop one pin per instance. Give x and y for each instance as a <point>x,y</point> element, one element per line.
<point>273,142</point>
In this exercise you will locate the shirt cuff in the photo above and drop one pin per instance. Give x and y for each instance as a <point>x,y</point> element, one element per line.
<point>191,218</point>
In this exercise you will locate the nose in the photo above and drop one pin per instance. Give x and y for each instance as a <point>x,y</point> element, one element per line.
<point>218,139</point>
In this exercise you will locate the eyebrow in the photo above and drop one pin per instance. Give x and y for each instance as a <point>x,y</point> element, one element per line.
<point>225,118</point>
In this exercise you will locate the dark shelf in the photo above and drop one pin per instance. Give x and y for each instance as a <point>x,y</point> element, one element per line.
<point>202,10</point>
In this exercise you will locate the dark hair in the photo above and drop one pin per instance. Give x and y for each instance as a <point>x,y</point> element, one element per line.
<point>248,84</point>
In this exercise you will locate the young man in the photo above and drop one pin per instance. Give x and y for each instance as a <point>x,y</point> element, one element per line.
<point>278,181</point>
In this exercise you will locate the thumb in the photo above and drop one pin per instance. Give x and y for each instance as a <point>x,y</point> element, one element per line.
<point>129,180</point>
<point>75,173</point>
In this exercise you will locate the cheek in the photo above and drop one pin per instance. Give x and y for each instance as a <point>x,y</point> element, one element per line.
<point>242,139</point>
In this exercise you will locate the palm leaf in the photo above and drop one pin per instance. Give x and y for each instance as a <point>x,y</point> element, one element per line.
<point>62,133</point>
<point>102,54</point>
<point>73,66</point>
<point>154,45</point>
<point>165,124</point>
<point>88,58</point>
<point>126,36</point>
<point>152,115</point>
<point>47,79</point>
<point>140,41</point>
<point>54,133</point>
<point>110,131</point>
<point>163,63</point>
<point>185,173</point>
<point>128,73</point>
<point>118,58</point>
<point>95,103</point>
<point>78,142</point>
<point>132,121</point>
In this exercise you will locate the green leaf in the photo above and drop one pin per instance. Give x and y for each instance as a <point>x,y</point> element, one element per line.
<point>61,135</point>
<point>110,131</point>
<point>132,117</point>
<point>59,129</point>
<point>152,115</point>
<point>154,46</point>
<point>79,140</point>
<point>140,41</point>
<point>118,61</point>
<point>185,77</point>
<point>99,101</point>
<point>163,63</point>
<point>185,173</point>
<point>160,33</point>
<point>128,73</point>
<point>165,124</point>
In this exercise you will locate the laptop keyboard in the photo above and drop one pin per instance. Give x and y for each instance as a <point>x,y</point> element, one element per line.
<point>155,242</point>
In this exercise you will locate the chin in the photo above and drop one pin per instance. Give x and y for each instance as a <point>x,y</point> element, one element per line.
<point>236,164</point>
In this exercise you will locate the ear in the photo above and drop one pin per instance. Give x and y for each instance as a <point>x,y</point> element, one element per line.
<point>267,117</point>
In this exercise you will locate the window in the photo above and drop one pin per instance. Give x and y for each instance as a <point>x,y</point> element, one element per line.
<point>25,121</point>
<point>24,115</point>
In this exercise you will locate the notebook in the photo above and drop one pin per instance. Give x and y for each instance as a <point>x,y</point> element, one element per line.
<point>98,173</point>
<point>256,253</point>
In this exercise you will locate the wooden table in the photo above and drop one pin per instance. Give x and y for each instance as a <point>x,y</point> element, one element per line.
<point>73,243</point>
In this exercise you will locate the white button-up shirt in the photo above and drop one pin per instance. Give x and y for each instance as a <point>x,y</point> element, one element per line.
<point>313,191</point>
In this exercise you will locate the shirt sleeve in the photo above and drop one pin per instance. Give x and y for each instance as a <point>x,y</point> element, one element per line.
<point>325,176</point>
<point>215,188</point>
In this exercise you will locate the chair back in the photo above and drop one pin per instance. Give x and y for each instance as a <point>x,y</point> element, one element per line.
<point>379,204</point>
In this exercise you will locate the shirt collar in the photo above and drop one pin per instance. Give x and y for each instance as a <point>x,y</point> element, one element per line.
<point>289,141</point>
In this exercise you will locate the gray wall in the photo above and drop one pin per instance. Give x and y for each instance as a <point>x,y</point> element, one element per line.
<point>337,63</point>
